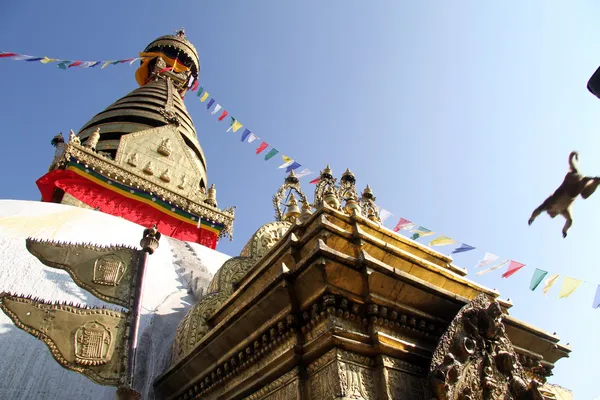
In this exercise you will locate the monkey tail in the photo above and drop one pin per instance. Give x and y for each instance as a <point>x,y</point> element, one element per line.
<point>573,157</point>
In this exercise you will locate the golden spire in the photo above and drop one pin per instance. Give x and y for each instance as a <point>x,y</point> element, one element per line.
<point>293,211</point>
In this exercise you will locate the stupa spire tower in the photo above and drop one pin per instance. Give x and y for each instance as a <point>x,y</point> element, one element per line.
<point>140,158</point>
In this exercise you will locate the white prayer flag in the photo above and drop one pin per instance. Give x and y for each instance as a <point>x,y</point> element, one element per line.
<point>216,110</point>
<point>488,258</point>
<point>384,214</point>
<point>252,138</point>
<point>302,173</point>
<point>485,271</point>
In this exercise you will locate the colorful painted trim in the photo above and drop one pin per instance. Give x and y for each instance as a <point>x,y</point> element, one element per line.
<point>143,197</point>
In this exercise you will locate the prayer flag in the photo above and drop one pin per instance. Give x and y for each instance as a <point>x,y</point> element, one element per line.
<point>316,180</point>
<point>105,64</point>
<point>442,241</point>
<point>384,214</point>
<point>512,268</point>
<point>293,167</point>
<point>63,64</point>
<point>216,109</point>
<point>568,287</point>
<point>45,60</point>
<point>252,138</point>
<point>95,64</point>
<point>463,248</point>
<point>34,59</point>
<point>485,271</point>
<point>549,282</point>
<point>286,161</point>
<point>420,232</point>
<point>236,125</point>
<point>75,64</point>
<point>488,258</point>
<point>537,278</point>
<point>271,154</point>
<point>195,87</point>
<point>200,90</point>
<point>210,103</point>
<point>204,97</point>
<point>403,224</point>
<point>118,62</point>
<point>133,60</point>
<point>223,115</point>
<point>5,55</point>
<point>596,302</point>
<point>245,134</point>
<point>262,146</point>
<point>303,173</point>
<point>22,57</point>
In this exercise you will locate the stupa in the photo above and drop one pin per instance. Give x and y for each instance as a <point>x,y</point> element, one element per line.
<point>323,302</point>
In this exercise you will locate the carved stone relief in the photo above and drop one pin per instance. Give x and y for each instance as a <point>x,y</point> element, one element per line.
<point>475,359</point>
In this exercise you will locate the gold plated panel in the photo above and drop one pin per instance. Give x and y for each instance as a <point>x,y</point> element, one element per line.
<point>88,341</point>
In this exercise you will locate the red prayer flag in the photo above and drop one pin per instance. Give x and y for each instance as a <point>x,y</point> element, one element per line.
<point>124,61</point>
<point>8,55</point>
<point>315,180</point>
<point>75,64</point>
<point>262,146</point>
<point>403,222</point>
<point>195,87</point>
<point>512,268</point>
<point>223,115</point>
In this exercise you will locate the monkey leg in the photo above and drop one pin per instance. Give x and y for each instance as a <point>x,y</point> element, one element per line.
<point>536,213</point>
<point>589,186</point>
<point>568,222</point>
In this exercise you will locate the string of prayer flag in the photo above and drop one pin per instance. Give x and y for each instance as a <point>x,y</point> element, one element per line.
<point>537,278</point>
<point>463,248</point>
<point>512,268</point>
<point>63,64</point>
<point>442,241</point>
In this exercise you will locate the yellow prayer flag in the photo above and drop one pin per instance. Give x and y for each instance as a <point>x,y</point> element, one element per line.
<point>236,125</point>
<point>286,159</point>
<point>568,287</point>
<point>442,241</point>
<point>105,64</point>
<point>549,282</point>
<point>204,97</point>
<point>47,60</point>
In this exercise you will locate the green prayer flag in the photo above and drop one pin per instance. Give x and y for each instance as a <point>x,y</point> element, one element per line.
<point>200,90</point>
<point>537,278</point>
<point>63,65</point>
<point>271,153</point>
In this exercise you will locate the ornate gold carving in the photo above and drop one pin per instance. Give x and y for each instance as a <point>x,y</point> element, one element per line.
<point>165,147</point>
<point>194,325</point>
<point>276,389</point>
<point>325,384</point>
<point>104,271</point>
<point>108,270</point>
<point>290,185</point>
<point>133,160</point>
<point>166,176</point>
<point>73,138</point>
<point>88,341</point>
<point>92,140</point>
<point>357,382</point>
<point>193,203</point>
<point>475,359</point>
<point>149,168</point>
<point>92,342</point>
<point>182,182</point>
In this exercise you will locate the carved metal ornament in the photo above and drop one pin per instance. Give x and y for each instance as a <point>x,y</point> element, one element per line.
<point>92,140</point>
<point>326,188</point>
<point>84,340</point>
<point>149,168</point>
<point>291,185</point>
<point>165,176</point>
<point>133,160</point>
<point>194,325</point>
<point>165,147</point>
<point>106,272</point>
<point>475,359</point>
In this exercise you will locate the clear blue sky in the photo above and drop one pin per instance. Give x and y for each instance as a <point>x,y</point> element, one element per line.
<point>460,115</point>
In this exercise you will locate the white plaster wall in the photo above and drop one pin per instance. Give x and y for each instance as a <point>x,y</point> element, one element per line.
<point>28,369</point>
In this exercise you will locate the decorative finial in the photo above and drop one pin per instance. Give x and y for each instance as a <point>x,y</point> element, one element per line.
<point>293,210</point>
<point>327,173</point>
<point>180,33</point>
<point>150,239</point>
<point>348,176</point>
<point>306,209</point>
<point>212,196</point>
<point>57,139</point>
<point>92,140</point>
<point>291,178</point>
